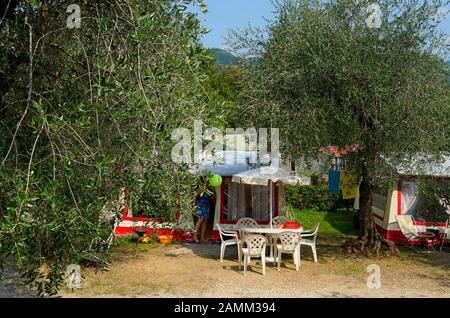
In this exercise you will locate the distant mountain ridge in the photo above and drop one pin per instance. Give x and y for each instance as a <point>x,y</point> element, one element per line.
<point>226,58</point>
<point>222,57</point>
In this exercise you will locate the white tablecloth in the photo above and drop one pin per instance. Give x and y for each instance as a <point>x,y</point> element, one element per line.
<point>270,231</point>
<point>260,229</point>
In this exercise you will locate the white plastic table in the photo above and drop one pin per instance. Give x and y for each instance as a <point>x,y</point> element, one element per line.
<point>260,229</point>
<point>269,231</point>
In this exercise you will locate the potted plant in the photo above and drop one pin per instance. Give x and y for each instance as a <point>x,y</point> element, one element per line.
<point>167,231</point>
<point>165,236</point>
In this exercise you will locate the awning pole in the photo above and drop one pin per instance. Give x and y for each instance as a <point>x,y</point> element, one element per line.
<point>270,200</point>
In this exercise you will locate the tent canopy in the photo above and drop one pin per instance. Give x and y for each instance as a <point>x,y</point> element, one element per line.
<point>263,175</point>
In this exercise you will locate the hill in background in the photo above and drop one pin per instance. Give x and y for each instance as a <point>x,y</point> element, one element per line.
<point>222,57</point>
<point>225,58</point>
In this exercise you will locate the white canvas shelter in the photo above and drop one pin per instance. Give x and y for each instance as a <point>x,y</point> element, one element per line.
<point>266,176</point>
<point>404,198</point>
<point>253,197</point>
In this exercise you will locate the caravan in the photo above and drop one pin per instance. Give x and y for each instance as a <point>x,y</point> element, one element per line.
<point>405,199</point>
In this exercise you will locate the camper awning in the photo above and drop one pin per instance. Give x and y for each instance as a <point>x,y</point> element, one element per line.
<point>262,176</point>
<point>265,176</point>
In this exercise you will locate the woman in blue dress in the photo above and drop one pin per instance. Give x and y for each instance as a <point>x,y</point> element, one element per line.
<point>203,205</point>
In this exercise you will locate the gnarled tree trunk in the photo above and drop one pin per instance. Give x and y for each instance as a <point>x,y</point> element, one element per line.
<point>369,241</point>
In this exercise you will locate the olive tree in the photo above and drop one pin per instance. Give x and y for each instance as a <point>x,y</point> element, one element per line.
<point>87,111</point>
<point>347,73</point>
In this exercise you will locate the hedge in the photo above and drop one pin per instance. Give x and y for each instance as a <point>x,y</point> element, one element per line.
<point>314,197</point>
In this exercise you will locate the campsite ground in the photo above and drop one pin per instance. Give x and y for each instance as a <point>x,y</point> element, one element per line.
<point>150,271</point>
<point>146,271</point>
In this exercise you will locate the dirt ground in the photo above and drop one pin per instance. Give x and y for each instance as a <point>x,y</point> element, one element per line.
<point>11,285</point>
<point>146,271</point>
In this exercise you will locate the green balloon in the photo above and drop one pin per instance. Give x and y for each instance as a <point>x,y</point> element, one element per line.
<point>215,180</point>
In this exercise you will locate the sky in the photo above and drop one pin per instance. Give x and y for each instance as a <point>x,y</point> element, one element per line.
<point>233,14</point>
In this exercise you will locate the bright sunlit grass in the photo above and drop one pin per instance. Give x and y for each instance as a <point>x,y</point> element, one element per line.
<point>337,223</point>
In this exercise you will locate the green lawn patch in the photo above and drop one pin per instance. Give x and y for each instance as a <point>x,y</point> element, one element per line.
<point>337,223</point>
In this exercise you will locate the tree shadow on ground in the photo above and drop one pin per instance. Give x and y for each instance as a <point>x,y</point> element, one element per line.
<point>341,221</point>
<point>11,285</point>
<point>428,257</point>
<point>434,259</point>
<point>211,251</point>
<point>129,250</point>
<point>328,246</point>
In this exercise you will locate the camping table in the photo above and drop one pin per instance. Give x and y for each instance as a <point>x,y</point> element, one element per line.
<point>440,229</point>
<point>265,230</point>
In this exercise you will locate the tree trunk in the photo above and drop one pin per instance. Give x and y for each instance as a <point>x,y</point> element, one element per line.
<point>369,241</point>
<point>368,232</point>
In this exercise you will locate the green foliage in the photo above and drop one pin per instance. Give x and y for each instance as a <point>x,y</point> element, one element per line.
<point>90,113</point>
<point>435,200</point>
<point>223,87</point>
<point>325,77</point>
<point>315,179</point>
<point>316,197</point>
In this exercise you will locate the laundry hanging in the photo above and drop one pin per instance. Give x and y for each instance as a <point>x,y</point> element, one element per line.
<point>333,181</point>
<point>348,184</point>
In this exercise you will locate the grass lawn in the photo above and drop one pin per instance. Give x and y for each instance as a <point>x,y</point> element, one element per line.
<point>148,270</point>
<point>333,223</point>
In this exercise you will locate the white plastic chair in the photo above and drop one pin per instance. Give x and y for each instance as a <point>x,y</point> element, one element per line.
<point>312,241</point>
<point>234,240</point>
<point>245,222</point>
<point>279,220</point>
<point>254,246</point>
<point>288,243</point>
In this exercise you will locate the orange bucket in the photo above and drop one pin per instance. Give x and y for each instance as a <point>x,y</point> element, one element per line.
<point>165,239</point>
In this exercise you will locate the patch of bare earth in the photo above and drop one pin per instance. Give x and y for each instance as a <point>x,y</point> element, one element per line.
<point>11,285</point>
<point>146,271</point>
